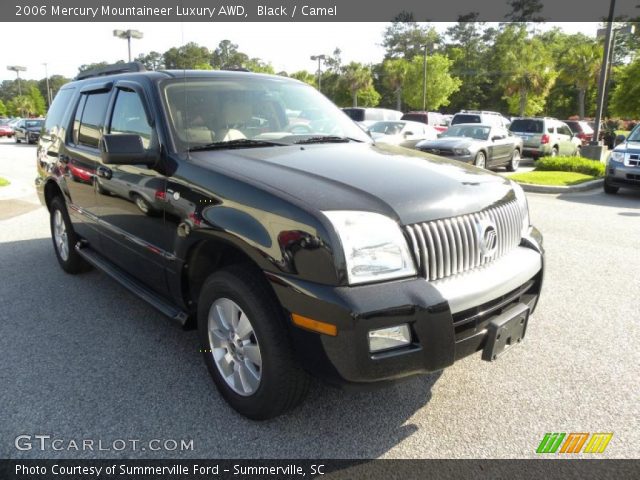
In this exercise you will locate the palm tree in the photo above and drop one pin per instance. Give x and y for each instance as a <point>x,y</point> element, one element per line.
<point>23,105</point>
<point>395,71</point>
<point>581,68</point>
<point>357,77</point>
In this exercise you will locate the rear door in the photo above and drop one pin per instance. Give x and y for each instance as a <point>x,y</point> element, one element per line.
<point>80,157</point>
<point>566,144</point>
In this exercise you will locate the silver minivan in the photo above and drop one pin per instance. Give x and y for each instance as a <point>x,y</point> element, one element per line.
<point>545,137</point>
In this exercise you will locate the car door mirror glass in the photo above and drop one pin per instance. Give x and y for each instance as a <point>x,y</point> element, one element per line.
<point>126,149</point>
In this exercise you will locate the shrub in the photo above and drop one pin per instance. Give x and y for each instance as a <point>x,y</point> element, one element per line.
<point>571,164</point>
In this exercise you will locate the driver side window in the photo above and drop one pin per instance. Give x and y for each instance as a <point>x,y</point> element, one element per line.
<point>129,117</point>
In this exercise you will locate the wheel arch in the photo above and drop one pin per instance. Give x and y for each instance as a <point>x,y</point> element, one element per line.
<point>51,190</point>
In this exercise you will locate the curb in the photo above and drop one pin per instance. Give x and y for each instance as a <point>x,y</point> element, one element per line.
<point>582,187</point>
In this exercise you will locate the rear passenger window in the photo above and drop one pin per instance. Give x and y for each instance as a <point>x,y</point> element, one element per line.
<point>57,109</point>
<point>129,117</point>
<point>92,119</point>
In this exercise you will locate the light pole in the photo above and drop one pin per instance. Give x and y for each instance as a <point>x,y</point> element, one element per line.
<point>629,29</point>
<point>128,35</point>
<point>603,74</point>
<point>319,58</point>
<point>424,76</point>
<point>17,69</point>
<point>46,74</point>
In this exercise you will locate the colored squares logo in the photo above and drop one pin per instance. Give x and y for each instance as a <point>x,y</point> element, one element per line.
<point>574,443</point>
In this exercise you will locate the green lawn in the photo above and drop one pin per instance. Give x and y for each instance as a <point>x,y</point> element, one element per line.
<point>623,132</point>
<point>551,178</point>
<point>4,182</point>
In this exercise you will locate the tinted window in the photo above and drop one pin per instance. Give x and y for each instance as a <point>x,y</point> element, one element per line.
<point>574,126</point>
<point>564,130</point>
<point>57,109</point>
<point>465,118</point>
<point>415,117</point>
<point>526,126</point>
<point>356,114</point>
<point>92,119</point>
<point>129,117</point>
<point>34,123</point>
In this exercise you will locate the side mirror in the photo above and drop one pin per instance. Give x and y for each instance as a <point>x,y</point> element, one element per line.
<point>408,134</point>
<point>619,139</point>
<point>496,137</point>
<point>126,150</point>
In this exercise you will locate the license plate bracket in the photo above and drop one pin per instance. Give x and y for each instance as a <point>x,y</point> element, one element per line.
<point>505,331</point>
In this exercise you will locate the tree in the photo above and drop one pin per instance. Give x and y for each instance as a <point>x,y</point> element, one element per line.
<point>406,39</point>
<point>186,57</point>
<point>525,11</point>
<point>91,66</point>
<point>258,66</point>
<point>394,73</point>
<point>226,55</point>
<point>357,80</point>
<point>37,100</point>
<point>626,96</point>
<point>440,83</point>
<point>581,67</point>
<point>151,61</point>
<point>55,83</point>
<point>527,70</point>
<point>305,76</point>
<point>3,109</point>
<point>21,106</point>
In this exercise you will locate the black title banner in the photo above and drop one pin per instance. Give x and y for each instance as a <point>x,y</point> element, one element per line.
<point>313,10</point>
<point>583,469</point>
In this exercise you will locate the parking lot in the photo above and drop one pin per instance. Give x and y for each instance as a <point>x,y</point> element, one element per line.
<point>82,358</point>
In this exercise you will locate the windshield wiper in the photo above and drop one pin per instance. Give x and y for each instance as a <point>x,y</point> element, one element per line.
<point>327,139</point>
<point>238,143</point>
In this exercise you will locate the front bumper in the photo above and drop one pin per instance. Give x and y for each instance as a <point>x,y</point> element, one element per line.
<point>619,175</point>
<point>448,319</point>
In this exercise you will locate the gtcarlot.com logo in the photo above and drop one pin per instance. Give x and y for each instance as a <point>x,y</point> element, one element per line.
<point>49,443</point>
<point>574,443</point>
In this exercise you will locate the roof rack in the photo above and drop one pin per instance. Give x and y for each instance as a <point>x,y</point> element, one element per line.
<point>112,70</point>
<point>487,112</point>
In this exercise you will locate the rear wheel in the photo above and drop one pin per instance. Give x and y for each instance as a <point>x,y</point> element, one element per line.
<point>610,189</point>
<point>142,204</point>
<point>16,138</point>
<point>65,239</point>
<point>514,163</point>
<point>554,152</point>
<point>481,160</point>
<point>246,345</point>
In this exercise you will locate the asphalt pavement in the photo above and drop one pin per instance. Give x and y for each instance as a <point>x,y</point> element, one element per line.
<point>83,359</point>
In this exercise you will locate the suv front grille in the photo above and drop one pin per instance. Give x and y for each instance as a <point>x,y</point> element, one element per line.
<point>453,245</point>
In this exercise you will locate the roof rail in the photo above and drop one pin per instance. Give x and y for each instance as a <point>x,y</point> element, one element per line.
<point>487,112</point>
<point>111,70</point>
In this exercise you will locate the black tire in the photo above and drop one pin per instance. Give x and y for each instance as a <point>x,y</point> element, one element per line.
<point>144,206</point>
<point>283,383</point>
<point>481,160</point>
<point>73,263</point>
<point>514,163</point>
<point>554,152</point>
<point>610,189</point>
<point>16,139</point>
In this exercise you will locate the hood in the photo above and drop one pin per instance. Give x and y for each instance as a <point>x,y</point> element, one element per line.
<point>448,142</point>
<point>628,147</point>
<point>404,184</point>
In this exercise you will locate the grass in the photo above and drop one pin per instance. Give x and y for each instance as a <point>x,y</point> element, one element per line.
<point>4,182</point>
<point>571,164</point>
<point>552,178</point>
<point>623,132</point>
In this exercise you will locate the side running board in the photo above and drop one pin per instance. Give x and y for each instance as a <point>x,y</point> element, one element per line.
<point>127,281</point>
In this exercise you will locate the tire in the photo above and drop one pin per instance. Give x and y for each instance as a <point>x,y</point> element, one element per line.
<point>268,382</point>
<point>142,204</point>
<point>610,189</point>
<point>514,163</point>
<point>64,239</point>
<point>578,151</point>
<point>16,139</point>
<point>481,160</point>
<point>554,152</point>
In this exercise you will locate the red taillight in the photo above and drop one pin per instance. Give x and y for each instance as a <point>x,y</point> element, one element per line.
<point>544,139</point>
<point>160,195</point>
<point>583,136</point>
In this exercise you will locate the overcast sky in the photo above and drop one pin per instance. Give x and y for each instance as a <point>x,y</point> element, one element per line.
<point>287,46</point>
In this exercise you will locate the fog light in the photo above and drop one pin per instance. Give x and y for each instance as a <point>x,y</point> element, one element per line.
<point>387,338</point>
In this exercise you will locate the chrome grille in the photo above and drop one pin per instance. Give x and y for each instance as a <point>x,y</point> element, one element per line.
<point>453,245</point>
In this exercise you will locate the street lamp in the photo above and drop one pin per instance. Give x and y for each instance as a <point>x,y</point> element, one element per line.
<point>128,35</point>
<point>319,58</point>
<point>17,69</point>
<point>46,74</point>
<point>434,47</point>
<point>629,30</point>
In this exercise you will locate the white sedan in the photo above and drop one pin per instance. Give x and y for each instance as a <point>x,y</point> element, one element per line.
<point>401,132</point>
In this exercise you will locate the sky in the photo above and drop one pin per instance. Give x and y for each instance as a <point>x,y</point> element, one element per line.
<point>287,46</point>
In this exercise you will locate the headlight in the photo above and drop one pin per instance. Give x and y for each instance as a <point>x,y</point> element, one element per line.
<point>617,157</point>
<point>374,246</point>
<point>524,206</point>
<point>461,151</point>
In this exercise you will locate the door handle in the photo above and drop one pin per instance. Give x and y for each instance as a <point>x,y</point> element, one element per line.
<point>104,172</point>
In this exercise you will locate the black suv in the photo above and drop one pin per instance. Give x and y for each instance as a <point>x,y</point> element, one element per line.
<point>249,206</point>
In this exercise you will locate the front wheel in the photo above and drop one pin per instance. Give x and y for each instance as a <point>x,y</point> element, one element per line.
<point>481,160</point>
<point>246,345</point>
<point>610,189</point>
<point>65,239</point>
<point>514,163</point>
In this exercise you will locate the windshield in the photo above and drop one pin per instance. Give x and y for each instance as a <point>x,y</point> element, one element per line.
<point>33,123</point>
<point>388,128</point>
<point>203,111</point>
<point>526,126</point>
<point>470,131</point>
<point>634,136</point>
<point>465,118</point>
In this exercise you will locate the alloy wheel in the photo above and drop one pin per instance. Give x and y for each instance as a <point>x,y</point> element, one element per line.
<point>60,235</point>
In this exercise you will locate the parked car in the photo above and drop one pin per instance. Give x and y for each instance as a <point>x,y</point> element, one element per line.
<point>6,130</point>
<point>484,117</point>
<point>358,114</point>
<point>484,146</point>
<point>402,133</point>
<point>581,130</point>
<point>28,130</point>
<point>544,136</point>
<point>623,166</point>
<point>434,119</point>
<point>294,253</point>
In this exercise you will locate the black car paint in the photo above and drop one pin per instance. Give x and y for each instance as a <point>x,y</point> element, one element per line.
<point>265,204</point>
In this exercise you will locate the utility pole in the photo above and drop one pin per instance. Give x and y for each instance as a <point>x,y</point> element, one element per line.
<point>602,82</point>
<point>46,74</point>
<point>319,58</point>
<point>424,81</point>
